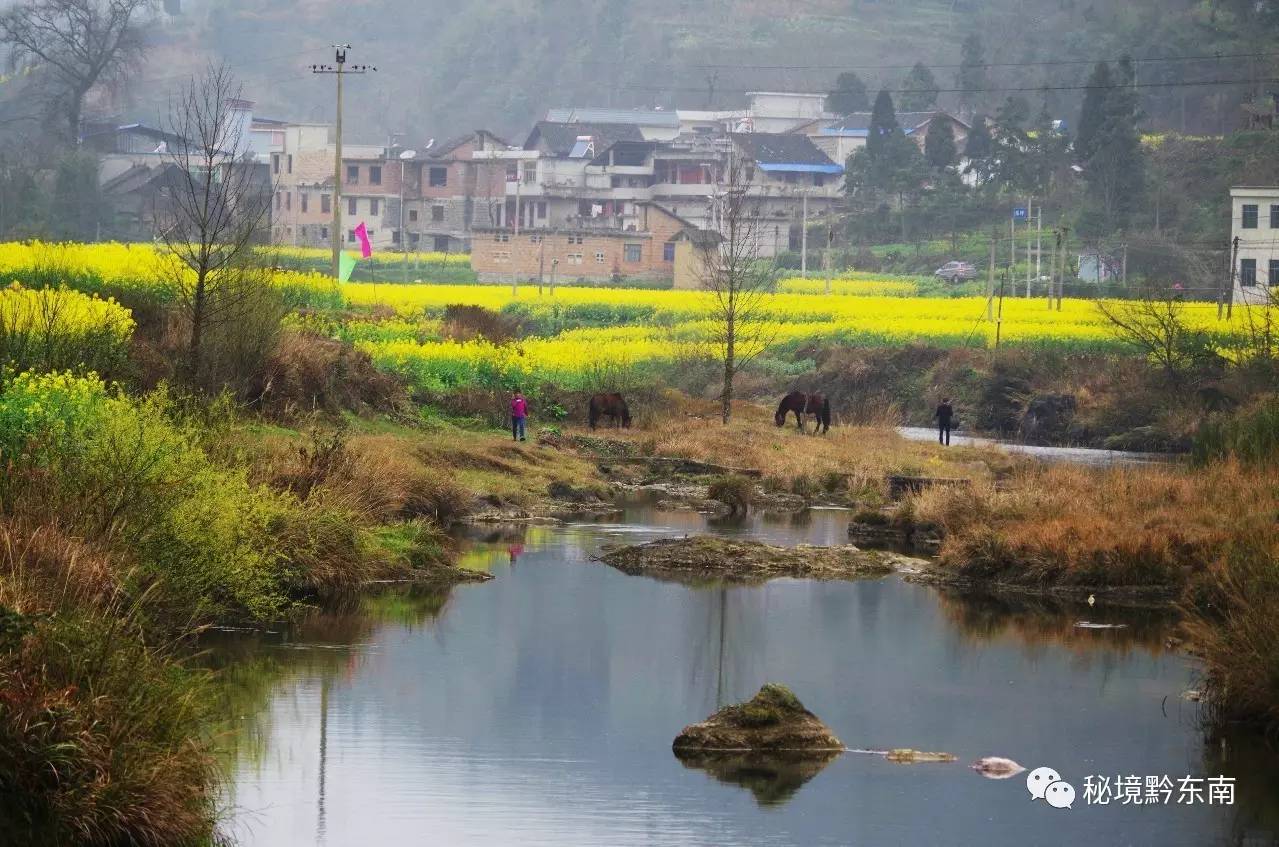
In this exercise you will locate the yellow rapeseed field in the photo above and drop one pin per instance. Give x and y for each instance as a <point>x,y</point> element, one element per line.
<point>577,334</point>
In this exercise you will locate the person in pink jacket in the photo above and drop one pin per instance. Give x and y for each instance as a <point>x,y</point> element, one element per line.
<point>519,411</point>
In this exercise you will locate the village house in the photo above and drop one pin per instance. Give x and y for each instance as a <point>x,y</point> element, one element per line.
<point>450,190</point>
<point>841,137</point>
<point>1254,226</point>
<point>569,253</point>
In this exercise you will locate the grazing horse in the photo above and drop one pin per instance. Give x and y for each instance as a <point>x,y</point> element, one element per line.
<point>610,405</point>
<point>817,405</point>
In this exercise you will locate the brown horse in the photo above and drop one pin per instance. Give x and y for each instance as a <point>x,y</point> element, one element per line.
<point>608,405</point>
<point>817,405</point>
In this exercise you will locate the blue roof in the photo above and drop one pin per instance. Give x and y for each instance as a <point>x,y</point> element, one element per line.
<point>801,169</point>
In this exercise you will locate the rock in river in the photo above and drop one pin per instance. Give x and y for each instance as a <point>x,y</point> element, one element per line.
<point>773,721</point>
<point>707,558</point>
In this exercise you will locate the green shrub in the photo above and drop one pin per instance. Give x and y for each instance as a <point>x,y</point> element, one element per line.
<point>733,490</point>
<point>1251,436</point>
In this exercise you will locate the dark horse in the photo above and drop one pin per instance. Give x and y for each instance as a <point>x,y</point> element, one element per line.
<point>610,405</point>
<point>817,405</point>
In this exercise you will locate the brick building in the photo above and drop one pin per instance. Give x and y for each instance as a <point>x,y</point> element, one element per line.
<point>451,190</point>
<point>582,252</point>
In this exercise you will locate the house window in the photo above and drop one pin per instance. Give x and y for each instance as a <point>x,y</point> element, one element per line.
<point>1250,216</point>
<point>324,203</point>
<point>275,163</point>
<point>324,233</point>
<point>819,180</point>
<point>1248,271</point>
<point>302,195</point>
<point>599,257</point>
<point>502,236</point>
<point>668,251</point>
<point>633,252</point>
<point>437,213</point>
<point>352,174</point>
<point>541,210</point>
<point>373,204</point>
<point>277,201</point>
<point>350,235</point>
<point>513,172</point>
<point>1274,272</point>
<point>530,174</point>
<point>395,236</point>
<point>351,205</point>
<point>440,244</point>
<point>575,239</point>
<point>375,174</point>
<point>574,258</point>
<point>290,168</point>
<point>414,238</point>
<point>792,179</point>
<point>535,239</point>
<point>288,200</point>
<point>1274,216</point>
<point>413,215</point>
<point>438,177</point>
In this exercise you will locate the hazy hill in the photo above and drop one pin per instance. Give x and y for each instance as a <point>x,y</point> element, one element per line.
<point>446,67</point>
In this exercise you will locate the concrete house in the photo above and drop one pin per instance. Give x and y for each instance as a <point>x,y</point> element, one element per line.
<point>571,252</point>
<point>1254,228</point>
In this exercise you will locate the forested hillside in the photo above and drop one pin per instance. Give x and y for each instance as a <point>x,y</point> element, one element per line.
<point>445,67</point>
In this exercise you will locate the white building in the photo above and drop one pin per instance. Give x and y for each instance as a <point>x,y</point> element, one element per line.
<point>1254,228</point>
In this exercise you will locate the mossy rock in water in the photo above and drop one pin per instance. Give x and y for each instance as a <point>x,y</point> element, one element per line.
<point>773,721</point>
<point>708,558</point>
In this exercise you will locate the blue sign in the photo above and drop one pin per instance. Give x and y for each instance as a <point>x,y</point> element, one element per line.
<point>1019,213</point>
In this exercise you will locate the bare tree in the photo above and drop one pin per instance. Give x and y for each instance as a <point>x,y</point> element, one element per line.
<point>213,214</point>
<point>78,43</point>
<point>731,267</point>
<point>1156,326</point>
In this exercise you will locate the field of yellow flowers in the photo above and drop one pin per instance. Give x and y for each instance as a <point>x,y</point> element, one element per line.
<point>574,334</point>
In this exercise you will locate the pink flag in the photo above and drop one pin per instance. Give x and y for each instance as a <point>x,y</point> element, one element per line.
<point>362,235</point>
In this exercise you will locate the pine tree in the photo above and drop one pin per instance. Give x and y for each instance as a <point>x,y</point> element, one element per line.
<point>883,125</point>
<point>972,78</point>
<point>919,90</point>
<point>1115,171</point>
<point>849,95</point>
<point>1093,113</point>
<point>939,144</point>
<point>979,150</point>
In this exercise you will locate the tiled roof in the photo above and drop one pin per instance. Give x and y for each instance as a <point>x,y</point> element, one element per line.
<point>768,148</point>
<point>559,138</point>
<point>639,117</point>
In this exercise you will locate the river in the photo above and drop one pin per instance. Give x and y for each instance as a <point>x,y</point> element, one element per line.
<point>539,709</point>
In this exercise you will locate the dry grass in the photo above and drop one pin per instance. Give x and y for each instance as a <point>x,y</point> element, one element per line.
<point>859,457</point>
<point>1060,525</point>
<point>101,735</point>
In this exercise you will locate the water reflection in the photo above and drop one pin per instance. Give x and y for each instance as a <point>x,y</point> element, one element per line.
<point>539,708</point>
<point>771,779</point>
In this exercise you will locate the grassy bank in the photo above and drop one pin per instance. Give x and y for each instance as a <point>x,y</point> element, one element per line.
<point>1204,539</point>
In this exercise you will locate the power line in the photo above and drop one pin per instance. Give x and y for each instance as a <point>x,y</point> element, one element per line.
<point>1043,63</point>
<point>999,89</point>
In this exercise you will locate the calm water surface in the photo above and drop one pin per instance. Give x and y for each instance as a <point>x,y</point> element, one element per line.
<point>539,708</point>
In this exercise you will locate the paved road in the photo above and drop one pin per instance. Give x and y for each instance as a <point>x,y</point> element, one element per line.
<point>1076,455</point>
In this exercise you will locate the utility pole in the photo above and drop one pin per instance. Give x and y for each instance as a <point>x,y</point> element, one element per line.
<point>990,280</point>
<point>803,238</point>
<point>1012,248</point>
<point>515,274</point>
<point>1052,267</point>
<point>1124,268</point>
<point>339,69</point>
<point>1234,263</point>
<point>1039,246</point>
<point>1065,246</point>
<point>830,241</point>
<point>999,321</point>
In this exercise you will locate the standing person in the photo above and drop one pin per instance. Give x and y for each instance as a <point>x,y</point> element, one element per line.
<point>519,411</point>
<point>945,414</point>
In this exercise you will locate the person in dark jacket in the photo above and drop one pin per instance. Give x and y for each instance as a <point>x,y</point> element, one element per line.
<point>945,414</point>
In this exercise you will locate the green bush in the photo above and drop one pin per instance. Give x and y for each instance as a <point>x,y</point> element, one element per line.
<point>1251,436</point>
<point>733,490</point>
<point>121,471</point>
